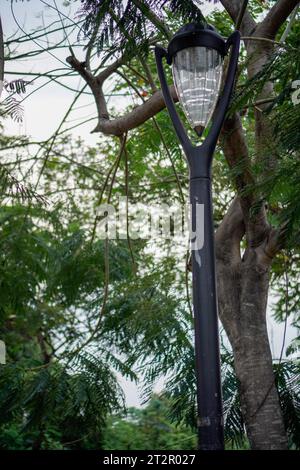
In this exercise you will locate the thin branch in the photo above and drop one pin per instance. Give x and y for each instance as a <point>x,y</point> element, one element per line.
<point>112,171</point>
<point>276,17</point>
<point>25,38</point>
<point>241,14</point>
<point>161,136</point>
<point>153,18</point>
<point>109,70</point>
<point>137,73</point>
<point>30,36</point>
<point>106,259</point>
<point>92,40</point>
<point>234,8</point>
<point>134,266</point>
<point>258,38</point>
<point>74,23</point>
<point>290,24</point>
<point>259,102</point>
<point>149,75</point>
<point>56,133</point>
<point>63,26</point>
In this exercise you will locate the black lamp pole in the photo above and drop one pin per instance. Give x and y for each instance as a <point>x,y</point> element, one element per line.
<point>207,351</point>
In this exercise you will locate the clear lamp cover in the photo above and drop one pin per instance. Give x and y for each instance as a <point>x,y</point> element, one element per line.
<point>197,73</point>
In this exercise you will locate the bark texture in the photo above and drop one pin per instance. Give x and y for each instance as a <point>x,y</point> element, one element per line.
<point>243,283</point>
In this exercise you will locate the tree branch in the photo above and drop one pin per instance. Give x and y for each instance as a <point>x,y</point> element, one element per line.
<point>236,153</point>
<point>241,14</point>
<point>130,120</point>
<point>95,83</point>
<point>92,40</point>
<point>233,8</point>
<point>136,117</point>
<point>109,70</point>
<point>161,26</point>
<point>275,18</point>
<point>289,25</point>
<point>274,242</point>
<point>229,234</point>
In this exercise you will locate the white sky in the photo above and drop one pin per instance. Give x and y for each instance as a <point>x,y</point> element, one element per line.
<point>45,108</point>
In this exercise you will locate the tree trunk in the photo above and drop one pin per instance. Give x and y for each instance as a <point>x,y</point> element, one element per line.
<point>243,284</point>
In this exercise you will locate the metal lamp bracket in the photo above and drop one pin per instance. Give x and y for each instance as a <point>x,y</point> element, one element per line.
<point>200,157</point>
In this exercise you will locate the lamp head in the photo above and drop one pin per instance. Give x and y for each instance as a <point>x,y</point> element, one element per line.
<point>196,53</point>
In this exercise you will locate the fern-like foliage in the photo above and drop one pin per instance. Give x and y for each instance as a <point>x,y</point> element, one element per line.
<point>288,385</point>
<point>280,185</point>
<point>180,390</point>
<point>51,288</point>
<point>71,402</point>
<point>11,107</point>
<point>11,187</point>
<point>127,28</point>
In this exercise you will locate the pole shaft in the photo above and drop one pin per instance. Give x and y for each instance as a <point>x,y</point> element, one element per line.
<point>207,351</point>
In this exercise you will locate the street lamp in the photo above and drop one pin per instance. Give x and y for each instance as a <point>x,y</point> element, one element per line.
<point>196,54</point>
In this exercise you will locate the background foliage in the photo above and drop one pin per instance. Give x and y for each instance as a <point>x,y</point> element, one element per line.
<point>77,311</point>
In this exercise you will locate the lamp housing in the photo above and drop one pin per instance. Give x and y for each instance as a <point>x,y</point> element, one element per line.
<point>196,53</point>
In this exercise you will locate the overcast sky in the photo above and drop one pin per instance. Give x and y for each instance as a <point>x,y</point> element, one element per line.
<point>45,108</point>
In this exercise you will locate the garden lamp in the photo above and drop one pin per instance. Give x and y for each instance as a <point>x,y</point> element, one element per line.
<point>196,54</point>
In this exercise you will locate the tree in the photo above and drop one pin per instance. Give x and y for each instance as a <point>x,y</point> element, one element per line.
<point>66,338</point>
<point>243,279</point>
<point>148,428</point>
<point>257,237</point>
<point>49,397</point>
